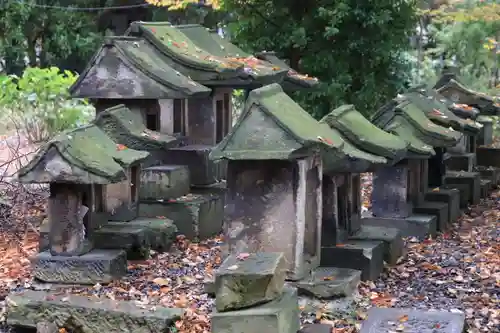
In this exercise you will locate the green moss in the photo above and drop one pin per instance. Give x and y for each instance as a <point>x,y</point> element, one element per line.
<point>90,149</point>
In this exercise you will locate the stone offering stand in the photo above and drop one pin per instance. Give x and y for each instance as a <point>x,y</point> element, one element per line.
<point>163,159</point>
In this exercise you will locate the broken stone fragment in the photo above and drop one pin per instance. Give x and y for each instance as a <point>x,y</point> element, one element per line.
<point>249,279</point>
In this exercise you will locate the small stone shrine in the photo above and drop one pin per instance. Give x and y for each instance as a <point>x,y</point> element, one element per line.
<point>397,196</point>
<point>274,180</point>
<point>91,179</point>
<point>345,242</point>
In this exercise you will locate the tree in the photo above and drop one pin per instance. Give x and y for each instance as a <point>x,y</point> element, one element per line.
<point>35,35</point>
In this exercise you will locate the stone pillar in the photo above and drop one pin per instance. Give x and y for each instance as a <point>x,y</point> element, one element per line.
<point>437,168</point>
<point>66,228</point>
<point>201,121</point>
<point>390,192</point>
<point>485,137</point>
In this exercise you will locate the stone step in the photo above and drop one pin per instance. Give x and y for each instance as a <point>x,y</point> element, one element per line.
<point>329,282</point>
<point>451,196</point>
<point>366,256</point>
<point>164,182</point>
<point>393,242</point>
<point>197,216</point>
<point>28,308</point>
<point>316,328</point>
<point>485,187</point>
<point>415,225</point>
<point>471,179</point>
<point>438,209</point>
<point>137,236</point>
<point>491,173</point>
<point>410,320</point>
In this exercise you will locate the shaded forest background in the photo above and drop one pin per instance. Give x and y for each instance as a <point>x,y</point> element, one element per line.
<point>364,52</point>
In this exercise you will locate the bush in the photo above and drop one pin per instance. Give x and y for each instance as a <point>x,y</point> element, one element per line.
<point>38,103</point>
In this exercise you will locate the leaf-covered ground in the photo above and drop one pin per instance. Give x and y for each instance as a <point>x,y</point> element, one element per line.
<point>457,271</point>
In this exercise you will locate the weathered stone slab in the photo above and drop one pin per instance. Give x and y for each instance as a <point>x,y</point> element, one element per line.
<point>249,279</point>
<point>88,315</point>
<point>329,282</point>
<point>160,232</point>
<point>461,162</point>
<point>164,182</point>
<point>393,242</point>
<point>316,328</point>
<point>438,209</point>
<point>46,327</point>
<point>451,196</point>
<point>279,316</point>
<point>472,179</point>
<point>381,320</point>
<point>366,256</point>
<point>197,216</point>
<point>96,266</point>
<point>120,236</point>
<point>413,226</point>
<point>202,170</point>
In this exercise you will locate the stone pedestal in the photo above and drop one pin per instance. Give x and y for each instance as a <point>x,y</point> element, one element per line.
<point>415,225</point>
<point>202,170</point>
<point>366,256</point>
<point>281,315</point>
<point>488,156</point>
<point>450,196</point>
<point>164,182</point>
<point>471,179</point>
<point>393,242</point>
<point>197,216</point>
<point>460,162</point>
<point>438,209</point>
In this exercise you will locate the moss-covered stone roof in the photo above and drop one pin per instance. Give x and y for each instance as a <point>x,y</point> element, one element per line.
<point>127,67</point>
<point>126,127</point>
<point>422,127</point>
<point>399,126</point>
<point>363,134</point>
<point>273,126</point>
<point>191,56</point>
<point>439,113</point>
<point>85,155</point>
<point>458,93</point>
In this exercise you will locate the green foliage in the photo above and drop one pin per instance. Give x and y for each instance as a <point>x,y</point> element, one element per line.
<point>45,36</point>
<point>38,102</point>
<point>353,47</point>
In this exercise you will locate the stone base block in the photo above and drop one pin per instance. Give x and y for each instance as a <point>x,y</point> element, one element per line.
<point>209,287</point>
<point>257,279</point>
<point>96,266</point>
<point>393,242</point>
<point>366,256</point>
<point>83,314</point>
<point>438,209</point>
<point>460,162</point>
<point>490,173</point>
<point>197,216</point>
<point>164,182</point>
<point>450,196</point>
<point>485,187</point>
<point>488,156</point>
<point>140,234</point>
<point>202,170</point>
<point>485,137</point>
<point>415,225</point>
<point>329,282</point>
<point>381,320</point>
<point>279,316</point>
<point>472,179</point>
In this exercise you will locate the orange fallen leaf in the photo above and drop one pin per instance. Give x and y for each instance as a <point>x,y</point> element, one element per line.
<point>328,278</point>
<point>120,147</point>
<point>403,319</point>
